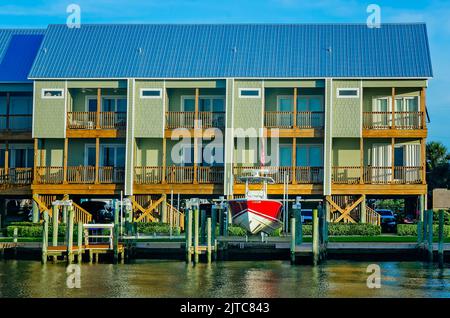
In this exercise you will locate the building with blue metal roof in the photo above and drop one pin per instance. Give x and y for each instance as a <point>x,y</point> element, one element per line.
<point>234,50</point>
<point>343,107</point>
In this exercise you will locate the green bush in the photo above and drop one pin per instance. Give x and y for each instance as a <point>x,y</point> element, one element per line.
<point>411,230</point>
<point>347,229</point>
<point>235,230</point>
<point>29,229</point>
<point>446,217</point>
<point>152,228</point>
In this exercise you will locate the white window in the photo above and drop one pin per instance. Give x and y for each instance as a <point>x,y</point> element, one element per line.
<point>348,93</point>
<point>249,92</point>
<point>151,93</point>
<point>52,93</point>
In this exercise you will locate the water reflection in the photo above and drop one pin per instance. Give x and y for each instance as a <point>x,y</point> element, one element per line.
<point>146,278</point>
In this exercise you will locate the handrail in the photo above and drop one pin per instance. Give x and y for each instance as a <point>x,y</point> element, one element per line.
<point>285,119</point>
<point>402,120</point>
<point>80,214</point>
<point>88,120</point>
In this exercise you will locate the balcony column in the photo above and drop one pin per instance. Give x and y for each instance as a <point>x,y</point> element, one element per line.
<point>363,209</point>
<point>422,107</point>
<point>361,149</point>
<point>8,104</point>
<point>66,147</point>
<point>97,157</point>
<point>99,105</point>
<point>35,159</point>
<point>393,108</point>
<point>294,160</point>
<point>196,126</point>
<point>6,157</point>
<point>393,159</point>
<point>294,122</point>
<point>164,160</point>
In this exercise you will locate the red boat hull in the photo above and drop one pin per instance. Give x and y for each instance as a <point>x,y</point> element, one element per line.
<point>256,215</point>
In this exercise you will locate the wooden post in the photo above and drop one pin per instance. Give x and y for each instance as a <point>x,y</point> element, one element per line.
<point>422,206</point>
<point>221,220</point>
<point>196,221</point>
<point>294,159</point>
<point>430,235</point>
<point>99,106</point>
<point>423,157</point>
<point>315,240</point>
<point>35,161</point>
<point>361,156</point>
<point>45,237</point>
<point>294,122</point>
<point>116,231</point>
<point>209,238</point>
<point>164,209</point>
<point>419,232</point>
<point>6,157</point>
<point>363,209</point>
<point>35,209</point>
<point>80,242</point>
<point>203,226</point>
<point>393,108</point>
<point>188,233</point>
<point>441,239</point>
<point>70,236</point>
<point>55,221</point>
<point>97,158</point>
<point>214,222</point>
<point>423,107</point>
<point>393,159</point>
<point>64,216</point>
<point>293,240</point>
<point>66,147</point>
<point>164,160</point>
<point>226,221</point>
<point>15,234</point>
<point>197,94</point>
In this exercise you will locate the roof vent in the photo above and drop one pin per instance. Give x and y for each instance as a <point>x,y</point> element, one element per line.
<point>45,50</point>
<point>329,49</point>
<point>234,49</point>
<point>140,50</point>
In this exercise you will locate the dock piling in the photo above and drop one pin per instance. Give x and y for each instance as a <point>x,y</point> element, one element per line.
<point>293,240</point>
<point>430,235</point>
<point>208,238</point>
<point>188,234</point>
<point>45,238</point>
<point>196,233</point>
<point>116,232</point>
<point>315,240</point>
<point>70,236</point>
<point>55,221</point>
<point>441,239</point>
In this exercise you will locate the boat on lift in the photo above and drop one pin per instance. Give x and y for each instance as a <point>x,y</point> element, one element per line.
<point>256,212</point>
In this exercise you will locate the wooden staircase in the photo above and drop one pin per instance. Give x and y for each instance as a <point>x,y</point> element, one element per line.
<point>347,209</point>
<point>44,203</point>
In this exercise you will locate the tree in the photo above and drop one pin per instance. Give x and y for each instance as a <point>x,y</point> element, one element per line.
<point>438,167</point>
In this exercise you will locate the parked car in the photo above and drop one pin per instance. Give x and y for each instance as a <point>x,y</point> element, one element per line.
<point>101,211</point>
<point>18,211</point>
<point>388,220</point>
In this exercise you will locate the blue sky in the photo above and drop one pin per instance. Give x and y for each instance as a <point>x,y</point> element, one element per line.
<point>436,13</point>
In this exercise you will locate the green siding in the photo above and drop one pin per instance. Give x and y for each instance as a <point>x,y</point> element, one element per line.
<point>149,152</point>
<point>346,152</point>
<point>149,112</point>
<point>371,93</point>
<point>49,116</point>
<point>346,111</point>
<point>16,87</point>
<point>53,152</point>
<point>248,112</point>
<point>199,84</point>
<point>394,83</point>
<point>96,84</point>
<point>294,83</point>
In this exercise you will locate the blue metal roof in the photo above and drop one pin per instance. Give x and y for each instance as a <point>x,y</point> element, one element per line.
<point>18,49</point>
<point>234,50</point>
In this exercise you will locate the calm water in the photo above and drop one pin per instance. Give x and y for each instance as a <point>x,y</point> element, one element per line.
<point>148,278</point>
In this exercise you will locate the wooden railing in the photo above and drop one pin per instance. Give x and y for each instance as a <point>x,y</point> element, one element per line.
<point>148,175</point>
<point>16,176</point>
<point>175,217</point>
<point>377,175</point>
<point>372,217</point>
<point>88,120</point>
<point>383,120</point>
<point>80,214</point>
<point>19,123</point>
<point>111,175</point>
<point>210,174</point>
<point>305,175</point>
<point>286,119</point>
<point>346,175</point>
<point>50,175</point>
<point>81,174</point>
<point>177,174</point>
<point>187,119</point>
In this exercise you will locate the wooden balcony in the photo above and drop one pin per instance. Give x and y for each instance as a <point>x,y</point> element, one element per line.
<point>377,175</point>
<point>177,175</point>
<point>292,120</point>
<point>394,124</point>
<point>16,176</point>
<point>293,175</point>
<point>80,175</point>
<point>89,124</point>
<point>187,120</point>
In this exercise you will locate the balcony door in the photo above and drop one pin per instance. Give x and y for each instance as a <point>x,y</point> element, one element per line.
<point>285,109</point>
<point>407,163</point>
<point>111,161</point>
<point>212,110</point>
<point>381,163</point>
<point>382,112</point>
<point>309,162</point>
<point>406,112</point>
